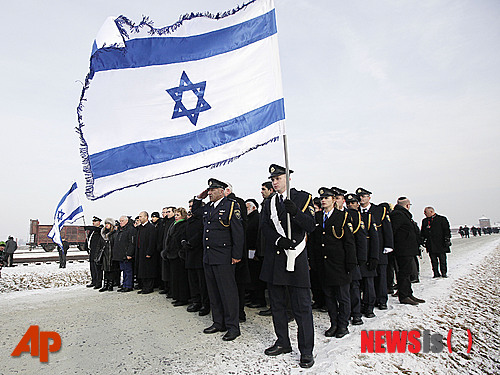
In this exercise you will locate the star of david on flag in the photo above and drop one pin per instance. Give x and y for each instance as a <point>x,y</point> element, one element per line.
<point>67,211</point>
<point>197,89</point>
<point>159,102</point>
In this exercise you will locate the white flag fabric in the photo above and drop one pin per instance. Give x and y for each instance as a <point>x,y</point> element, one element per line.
<point>161,102</point>
<point>68,211</point>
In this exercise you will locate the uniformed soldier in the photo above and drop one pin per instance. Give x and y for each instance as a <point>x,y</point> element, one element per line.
<point>360,241</point>
<point>285,264</point>
<point>386,244</point>
<point>334,240</point>
<point>223,243</point>
<point>368,269</point>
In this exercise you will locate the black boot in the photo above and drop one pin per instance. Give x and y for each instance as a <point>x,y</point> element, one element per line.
<point>105,286</point>
<point>110,285</point>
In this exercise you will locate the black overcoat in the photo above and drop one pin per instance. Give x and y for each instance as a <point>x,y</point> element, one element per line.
<point>435,232</point>
<point>406,233</point>
<point>146,245</point>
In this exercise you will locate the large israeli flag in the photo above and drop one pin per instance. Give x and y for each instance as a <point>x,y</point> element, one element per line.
<point>162,102</point>
<point>68,211</point>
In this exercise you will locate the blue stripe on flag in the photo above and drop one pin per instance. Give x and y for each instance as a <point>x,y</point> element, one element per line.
<point>170,50</point>
<point>77,211</point>
<point>141,154</point>
<point>73,187</point>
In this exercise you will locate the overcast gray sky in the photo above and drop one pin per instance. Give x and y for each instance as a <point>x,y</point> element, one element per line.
<point>400,97</point>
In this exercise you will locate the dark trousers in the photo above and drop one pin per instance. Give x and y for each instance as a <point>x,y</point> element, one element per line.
<point>179,284</point>
<point>223,294</point>
<point>317,291</point>
<point>62,258</point>
<point>406,266</point>
<point>391,270</point>
<point>147,283</point>
<point>95,272</point>
<point>300,299</point>
<point>257,287</point>
<point>355,295</point>
<point>368,288</point>
<point>381,284</point>
<point>10,260</point>
<point>198,287</point>
<point>438,262</point>
<point>128,273</point>
<point>338,303</point>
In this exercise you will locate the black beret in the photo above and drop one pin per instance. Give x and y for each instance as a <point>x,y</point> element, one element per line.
<point>96,219</point>
<point>277,170</point>
<point>216,184</point>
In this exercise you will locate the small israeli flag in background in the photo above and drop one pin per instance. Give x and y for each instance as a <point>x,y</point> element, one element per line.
<point>162,102</point>
<point>68,211</point>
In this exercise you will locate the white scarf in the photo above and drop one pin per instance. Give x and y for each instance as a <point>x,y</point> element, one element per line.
<point>291,254</point>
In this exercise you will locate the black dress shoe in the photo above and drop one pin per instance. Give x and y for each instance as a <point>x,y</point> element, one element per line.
<point>139,292</point>
<point>214,329</point>
<point>341,332</point>
<point>382,306</point>
<point>194,307</point>
<point>267,312</point>
<point>357,321</point>
<point>243,319</point>
<point>126,290</point>
<point>277,350</point>
<point>90,285</point>
<point>370,314</point>
<point>180,303</point>
<point>204,311</point>
<point>436,276</point>
<point>408,301</point>
<point>445,276</point>
<point>417,299</point>
<point>306,361</point>
<point>147,291</point>
<point>98,286</point>
<point>330,332</point>
<point>163,291</point>
<point>256,305</point>
<point>230,336</point>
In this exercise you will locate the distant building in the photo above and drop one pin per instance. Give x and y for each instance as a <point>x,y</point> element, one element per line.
<point>484,222</point>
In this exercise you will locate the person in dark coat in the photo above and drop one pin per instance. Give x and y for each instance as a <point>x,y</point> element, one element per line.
<point>110,267</point>
<point>167,221</point>
<point>256,287</point>
<point>93,244</point>
<point>176,254</point>
<point>386,244</point>
<point>124,251</point>
<point>223,244</point>
<point>193,246</point>
<point>406,247</point>
<point>436,235</point>
<point>63,252</point>
<point>147,256</point>
<point>361,244</point>
<point>368,269</point>
<point>333,238</point>
<point>242,273</point>
<point>10,248</point>
<point>285,265</point>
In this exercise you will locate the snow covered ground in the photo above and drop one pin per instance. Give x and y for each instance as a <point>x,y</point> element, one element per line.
<point>127,333</point>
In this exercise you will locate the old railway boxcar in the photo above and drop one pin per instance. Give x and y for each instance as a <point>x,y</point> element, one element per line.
<point>74,234</point>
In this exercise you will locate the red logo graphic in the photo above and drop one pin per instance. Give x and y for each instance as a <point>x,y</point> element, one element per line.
<point>39,343</point>
<point>414,341</point>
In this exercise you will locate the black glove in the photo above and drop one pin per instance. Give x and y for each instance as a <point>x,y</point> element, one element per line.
<point>372,264</point>
<point>290,207</point>
<point>350,266</point>
<point>285,243</point>
<point>447,242</point>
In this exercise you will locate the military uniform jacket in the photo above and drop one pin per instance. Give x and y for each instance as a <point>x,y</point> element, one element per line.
<point>275,259</point>
<point>223,235</point>
<point>435,235</point>
<point>384,228</point>
<point>360,241</point>
<point>373,243</point>
<point>335,244</point>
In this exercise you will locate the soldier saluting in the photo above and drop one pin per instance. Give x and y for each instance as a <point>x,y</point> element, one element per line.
<point>285,264</point>
<point>223,242</point>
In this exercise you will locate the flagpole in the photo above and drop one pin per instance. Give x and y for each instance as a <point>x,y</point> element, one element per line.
<point>287,168</point>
